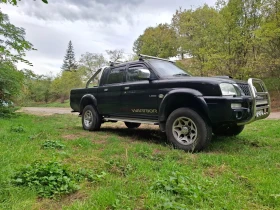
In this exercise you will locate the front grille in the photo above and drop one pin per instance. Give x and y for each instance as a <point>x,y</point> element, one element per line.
<point>245,89</point>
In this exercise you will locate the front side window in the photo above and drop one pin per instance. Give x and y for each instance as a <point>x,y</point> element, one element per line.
<point>116,75</point>
<point>132,73</point>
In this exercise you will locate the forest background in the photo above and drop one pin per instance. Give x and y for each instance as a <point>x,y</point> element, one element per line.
<point>236,38</point>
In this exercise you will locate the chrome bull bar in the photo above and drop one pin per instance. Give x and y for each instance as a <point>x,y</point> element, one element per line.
<point>261,105</point>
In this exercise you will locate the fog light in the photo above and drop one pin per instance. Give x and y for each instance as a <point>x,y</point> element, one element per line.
<point>239,115</point>
<point>234,106</point>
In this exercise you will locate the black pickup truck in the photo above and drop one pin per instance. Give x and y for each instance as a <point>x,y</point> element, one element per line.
<point>155,91</point>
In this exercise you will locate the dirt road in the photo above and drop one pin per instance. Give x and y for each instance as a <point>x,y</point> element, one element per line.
<point>274,115</point>
<point>44,111</point>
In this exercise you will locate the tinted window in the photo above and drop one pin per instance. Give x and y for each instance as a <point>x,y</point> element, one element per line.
<point>131,75</point>
<point>116,75</point>
<point>166,69</point>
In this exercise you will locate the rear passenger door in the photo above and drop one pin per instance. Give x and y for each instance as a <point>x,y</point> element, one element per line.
<point>139,97</point>
<point>109,93</point>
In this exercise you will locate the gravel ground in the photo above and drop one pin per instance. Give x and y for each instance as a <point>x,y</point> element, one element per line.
<point>274,115</point>
<point>43,111</point>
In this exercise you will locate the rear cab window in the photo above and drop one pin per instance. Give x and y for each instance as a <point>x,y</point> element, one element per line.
<point>115,75</point>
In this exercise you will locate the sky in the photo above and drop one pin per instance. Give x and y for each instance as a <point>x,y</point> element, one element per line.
<point>92,25</point>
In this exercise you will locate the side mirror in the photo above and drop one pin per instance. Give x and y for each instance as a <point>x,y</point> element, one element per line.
<point>143,74</point>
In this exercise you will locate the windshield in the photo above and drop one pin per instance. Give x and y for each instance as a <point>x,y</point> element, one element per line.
<point>167,69</point>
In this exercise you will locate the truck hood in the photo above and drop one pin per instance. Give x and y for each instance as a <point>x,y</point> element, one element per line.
<point>208,86</point>
<point>207,80</point>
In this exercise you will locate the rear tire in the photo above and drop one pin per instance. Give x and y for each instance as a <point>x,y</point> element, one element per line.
<point>187,130</point>
<point>228,130</point>
<point>91,120</point>
<point>132,125</point>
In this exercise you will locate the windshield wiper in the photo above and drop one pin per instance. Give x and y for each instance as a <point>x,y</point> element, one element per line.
<point>181,74</point>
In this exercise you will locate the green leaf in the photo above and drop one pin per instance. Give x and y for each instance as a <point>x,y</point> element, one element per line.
<point>18,180</point>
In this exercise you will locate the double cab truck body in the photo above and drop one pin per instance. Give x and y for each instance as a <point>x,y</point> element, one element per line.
<point>155,91</point>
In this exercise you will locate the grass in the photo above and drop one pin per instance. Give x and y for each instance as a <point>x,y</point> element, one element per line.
<point>142,170</point>
<point>66,104</point>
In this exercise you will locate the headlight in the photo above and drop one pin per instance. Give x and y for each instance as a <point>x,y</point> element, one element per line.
<point>228,89</point>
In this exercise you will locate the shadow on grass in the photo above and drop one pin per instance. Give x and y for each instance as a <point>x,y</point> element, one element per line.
<point>222,139</point>
<point>218,144</point>
<point>155,136</point>
<point>140,134</point>
<point>223,144</point>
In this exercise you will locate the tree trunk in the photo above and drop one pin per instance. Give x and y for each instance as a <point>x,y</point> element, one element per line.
<point>62,99</point>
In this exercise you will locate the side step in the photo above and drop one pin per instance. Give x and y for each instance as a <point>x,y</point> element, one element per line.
<point>133,120</point>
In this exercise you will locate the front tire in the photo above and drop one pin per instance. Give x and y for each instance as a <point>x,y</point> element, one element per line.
<point>132,125</point>
<point>228,130</point>
<point>187,130</point>
<point>91,120</point>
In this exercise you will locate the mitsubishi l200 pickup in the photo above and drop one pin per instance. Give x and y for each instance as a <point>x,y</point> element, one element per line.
<point>155,91</point>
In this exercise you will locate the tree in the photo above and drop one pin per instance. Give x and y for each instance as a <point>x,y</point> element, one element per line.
<point>64,82</point>
<point>91,62</point>
<point>115,55</point>
<point>138,45</point>
<point>14,2</point>
<point>132,57</point>
<point>69,62</point>
<point>35,88</point>
<point>12,49</point>
<point>235,43</point>
<point>157,41</point>
<point>180,33</point>
<point>236,38</point>
<point>198,35</point>
<point>10,85</point>
<point>268,36</point>
<point>10,81</point>
<point>12,42</point>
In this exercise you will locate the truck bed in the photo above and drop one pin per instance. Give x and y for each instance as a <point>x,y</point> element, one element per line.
<point>77,94</point>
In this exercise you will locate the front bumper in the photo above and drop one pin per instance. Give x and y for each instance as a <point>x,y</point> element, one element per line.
<point>253,107</point>
<point>261,105</point>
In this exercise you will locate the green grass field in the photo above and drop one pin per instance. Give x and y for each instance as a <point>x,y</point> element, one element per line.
<point>140,170</point>
<point>66,104</point>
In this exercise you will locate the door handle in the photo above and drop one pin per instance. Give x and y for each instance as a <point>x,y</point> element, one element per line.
<point>106,90</point>
<point>126,88</point>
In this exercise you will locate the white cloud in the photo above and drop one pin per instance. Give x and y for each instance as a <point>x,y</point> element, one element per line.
<point>93,26</point>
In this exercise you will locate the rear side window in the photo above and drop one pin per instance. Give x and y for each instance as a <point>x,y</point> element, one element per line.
<point>116,75</point>
<point>131,74</point>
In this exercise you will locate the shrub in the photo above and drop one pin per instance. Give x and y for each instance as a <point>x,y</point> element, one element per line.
<point>85,174</point>
<point>17,129</point>
<point>7,112</point>
<point>49,180</point>
<point>52,179</point>
<point>120,167</point>
<point>178,190</point>
<point>52,145</point>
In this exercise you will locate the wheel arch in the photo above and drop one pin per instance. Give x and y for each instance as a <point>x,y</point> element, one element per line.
<point>87,99</point>
<point>182,98</point>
